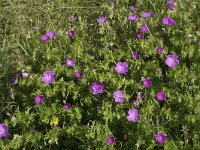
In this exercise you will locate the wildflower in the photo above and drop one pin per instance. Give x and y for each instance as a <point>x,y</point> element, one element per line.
<point>70,62</point>
<point>148,14</point>
<point>121,67</point>
<point>167,21</point>
<point>139,96</point>
<point>169,2</point>
<point>160,137</point>
<point>112,1</point>
<point>159,50</point>
<point>14,80</point>
<point>101,20</point>
<point>147,82</point>
<point>172,60</point>
<point>133,8</point>
<point>144,28</point>
<point>161,96</point>
<point>111,140</point>
<point>51,34</point>
<point>48,77</point>
<point>78,74</point>
<point>97,88</point>
<point>172,7</point>
<point>135,55</point>
<point>24,74</point>
<point>55,121</point>
<point>67,106</point>
<point>71,33</point>
<point>3,130</point>
<point>135,102</point>
<point>139,36</point>
<point>119,96</point>
<point>134,18</point>
<point>44,38</point>
<point>133,115</point>
<point>38,99</point>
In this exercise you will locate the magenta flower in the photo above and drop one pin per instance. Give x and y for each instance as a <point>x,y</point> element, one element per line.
<point>161,96</point>
<point>70,62</point>
<point>119,96</point>
<point>3,130</point>
<point>133,115</point>
<point>135,55</point>
<point>51,34</point>
<point>172,7</point>
<point>111,140</point>
<point>135,102</point>
<point>14,80</point>
<point>71,33</point>
<point>159,50</point>
<point>160,137</point>
<point>148,14</point>
<point>44,38</point>
<point>67,106</point>
<point>144,28</point>
<point>78,74</point>
<point>48,77</point>
<point>97,88</point>
<point>121,67</point>
<point>133,8</point>
<point>172,61</point>
<point>147,82</point>
<point>169,2</point>
<point>134,18</point>
<point>101,20</point>
<point>38,99</point>
<point>167,21</point>
<point>139,36</point>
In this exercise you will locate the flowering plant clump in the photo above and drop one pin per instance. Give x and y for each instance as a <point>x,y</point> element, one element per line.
<point>104,74</point>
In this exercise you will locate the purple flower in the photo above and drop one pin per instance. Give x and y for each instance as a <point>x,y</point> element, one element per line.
<point>147,82</point>
<point>139,96</point>
<point>167,21</point>
<point>71,33</point>
<point>134,18</point>
<point>48,77</point>
<point>70,62</point>
<point>3,130</point>
<point>135,102</point>
<point>97,88</point>
<point>51,34</point>
<point>133,8</point>
<point>139,36</point>
<point>172,7</point>
<point>159,50</point>
<point>111,140</point>
<point>24,74</point>
<point>112,1</point>
<point>38,99</point>
<point>121,67</point>
<point>67,106</point>
<point>101,20</point>
<point>135,55</point>
<point>148,14</point>
<point>44,38</point>
<point>172,61</point>
<point>78,74</point>
<point>161,96</point>
<point>144,28</point>
<point>133,115</point>
<point>14,80</point>
<point>119,96</point>
<point>160,137</point>
<point>169,2</point>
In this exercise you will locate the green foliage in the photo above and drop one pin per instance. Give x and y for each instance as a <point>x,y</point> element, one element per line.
<point>96,49</point>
